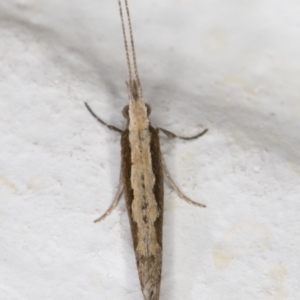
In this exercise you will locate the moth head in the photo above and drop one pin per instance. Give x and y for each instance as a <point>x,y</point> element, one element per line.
<point>125,111</point>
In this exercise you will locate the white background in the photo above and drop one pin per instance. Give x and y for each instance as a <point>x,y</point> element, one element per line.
<point>231,66</point>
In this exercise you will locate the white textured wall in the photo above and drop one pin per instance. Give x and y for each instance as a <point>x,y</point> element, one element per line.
<point>231,66</point>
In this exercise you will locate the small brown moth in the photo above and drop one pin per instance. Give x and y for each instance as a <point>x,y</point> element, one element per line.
<point>141,179</point>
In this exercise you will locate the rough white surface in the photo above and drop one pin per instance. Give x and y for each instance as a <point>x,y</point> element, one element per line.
<point>231,66</point>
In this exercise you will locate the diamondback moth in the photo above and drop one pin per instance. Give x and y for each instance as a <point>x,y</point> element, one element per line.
<point>142,174</point>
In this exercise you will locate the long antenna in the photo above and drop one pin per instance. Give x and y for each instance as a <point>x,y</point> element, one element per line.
<point>125,42</point>
<point>131,42</point>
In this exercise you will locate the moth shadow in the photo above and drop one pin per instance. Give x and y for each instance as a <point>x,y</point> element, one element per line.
<point>169,257</point>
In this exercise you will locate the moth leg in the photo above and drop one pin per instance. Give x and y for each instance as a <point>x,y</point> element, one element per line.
<point>114,204</point>
<point>102,122</point>
<point>178,191</point>
<point>172,135</point>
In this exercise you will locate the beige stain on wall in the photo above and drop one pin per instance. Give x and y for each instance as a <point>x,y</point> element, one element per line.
<point>214,41</point>
<point>245,238</point>
<point>278,275</point>
<point>36,185</point>
<point>6,183</point>
<point>232,80</point>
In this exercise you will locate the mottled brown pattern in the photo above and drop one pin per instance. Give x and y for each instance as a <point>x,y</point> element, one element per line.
<point>126,174</point>
<point>149,265</point>
<point>159,183</point>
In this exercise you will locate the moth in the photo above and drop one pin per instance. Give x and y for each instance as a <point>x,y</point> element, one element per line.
<point>142,175</point>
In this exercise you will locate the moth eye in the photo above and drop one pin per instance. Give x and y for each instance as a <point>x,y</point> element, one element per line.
<point>125,112</point>
<point>148,109</point>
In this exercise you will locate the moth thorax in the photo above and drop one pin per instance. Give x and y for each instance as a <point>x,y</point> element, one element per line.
<point>138,118</point>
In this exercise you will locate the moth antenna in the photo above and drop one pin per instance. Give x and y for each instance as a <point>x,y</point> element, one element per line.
<point>125,42</point>
<point>132,44</point>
